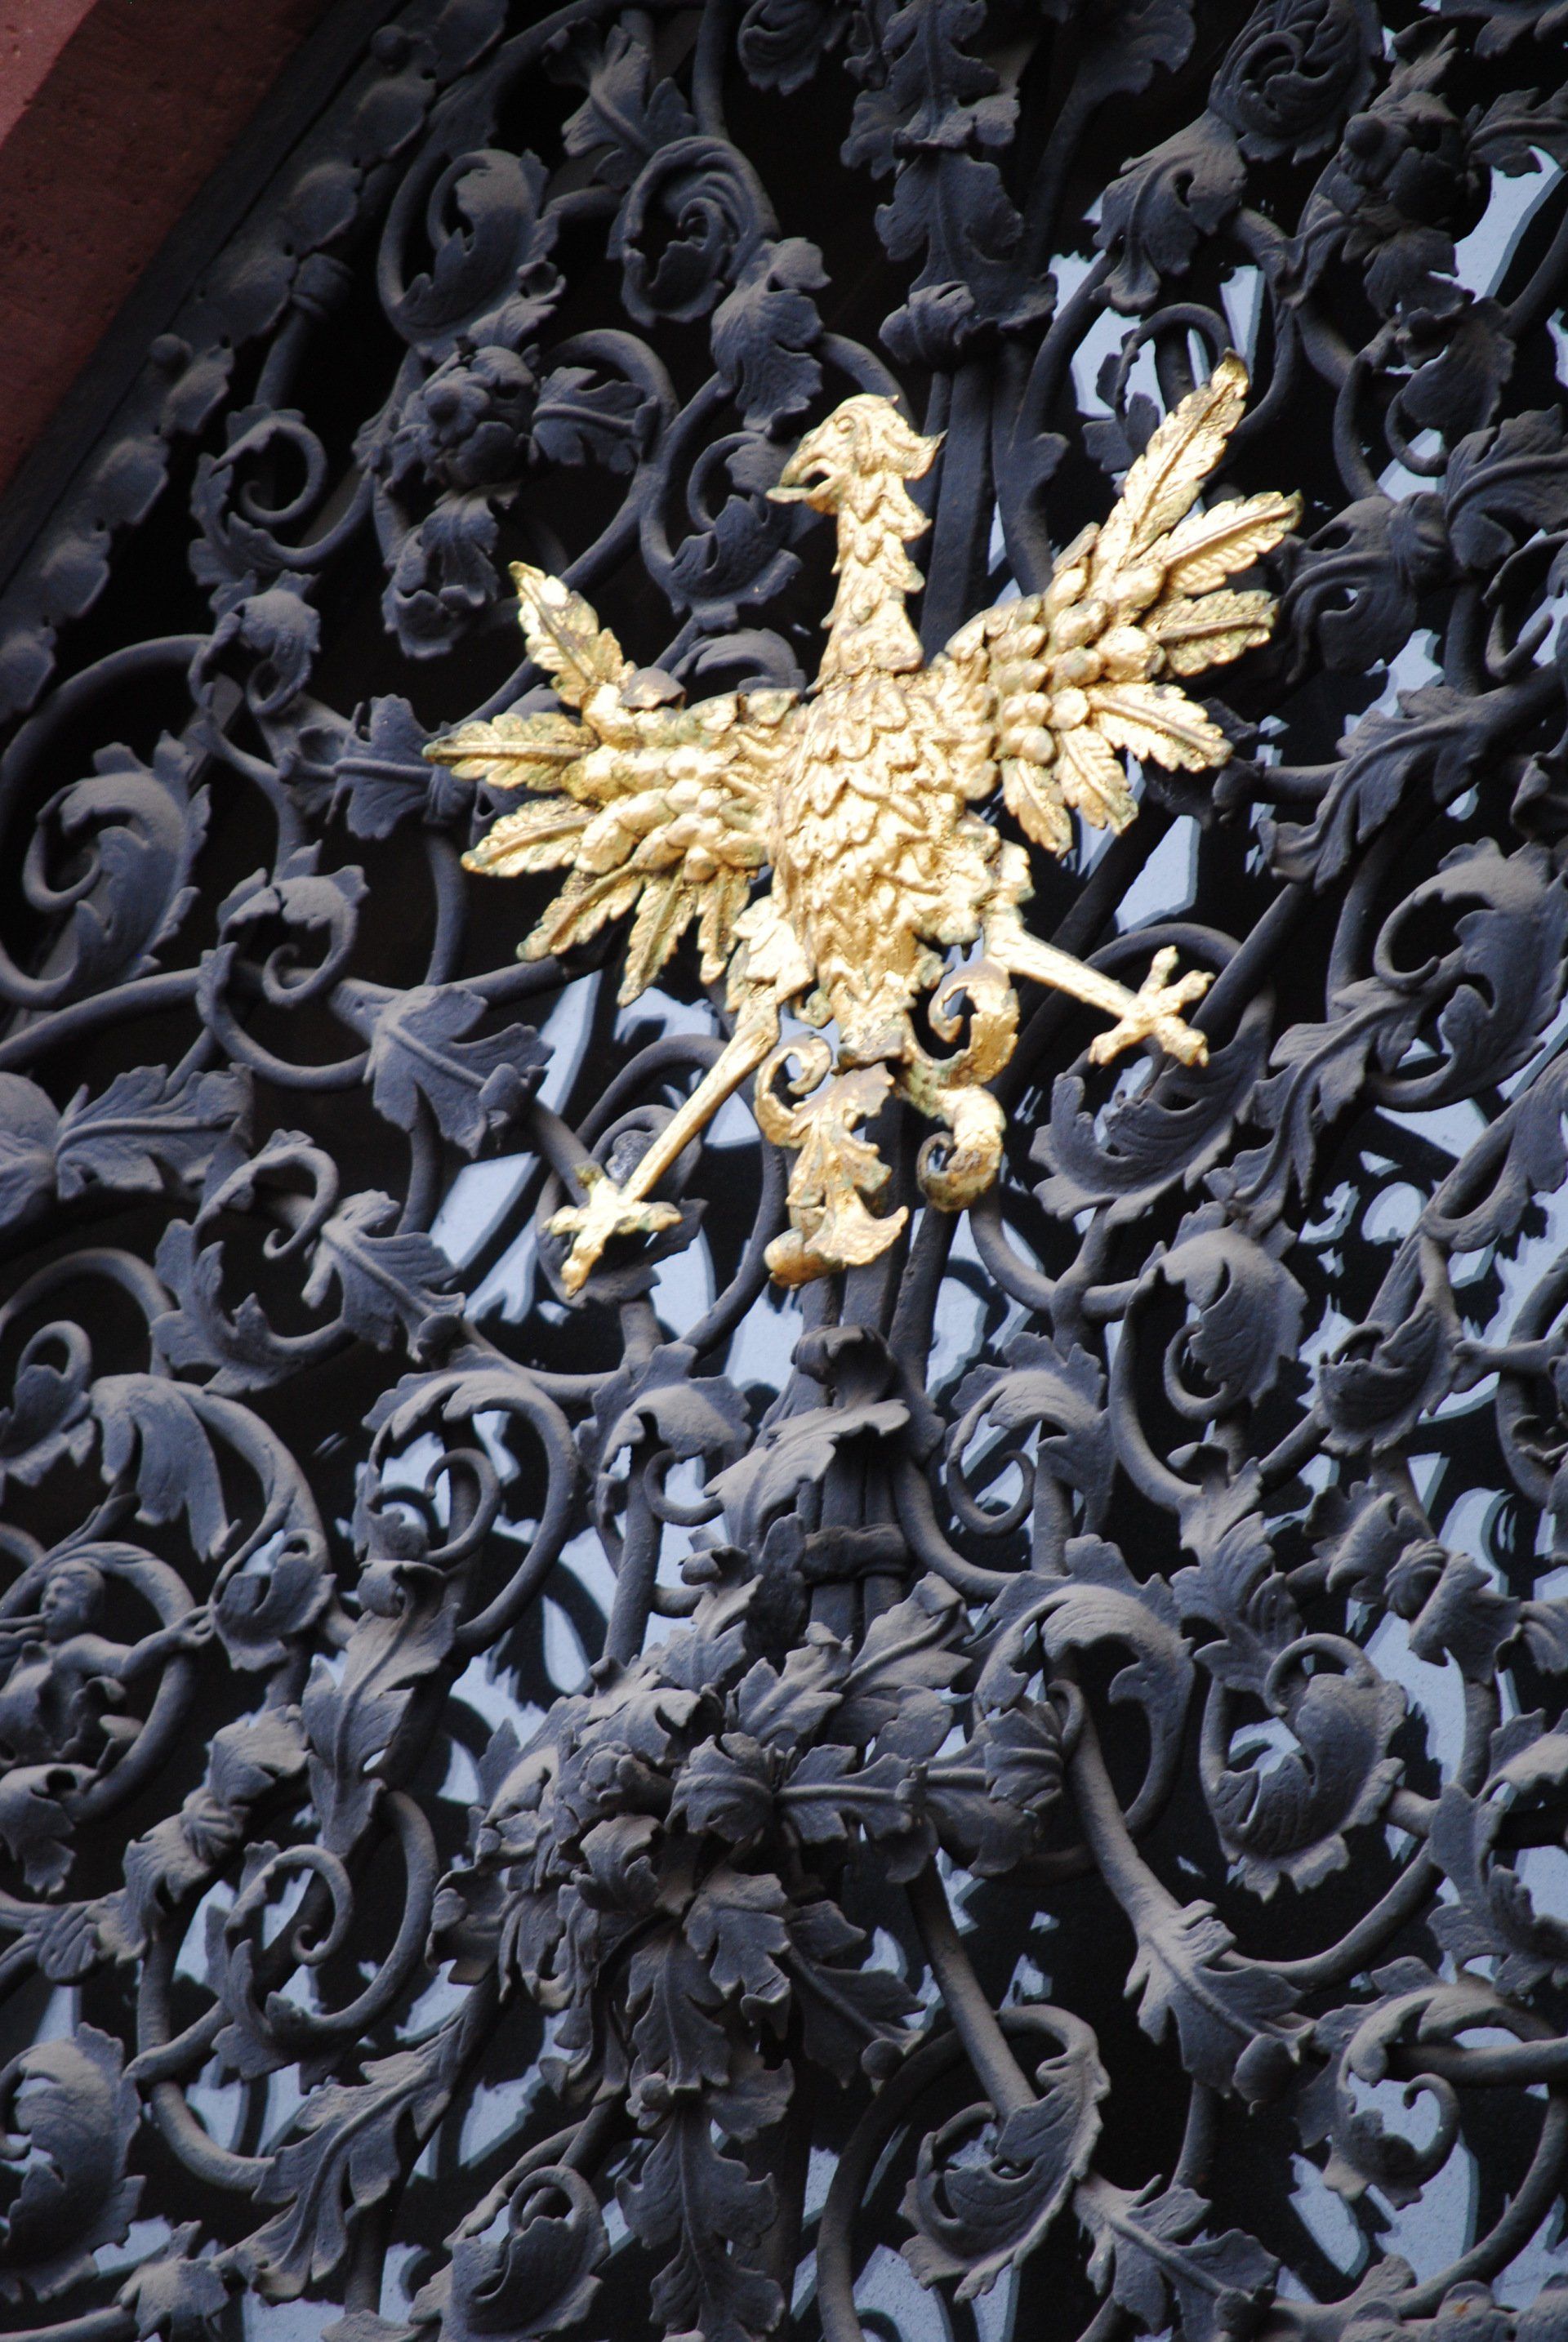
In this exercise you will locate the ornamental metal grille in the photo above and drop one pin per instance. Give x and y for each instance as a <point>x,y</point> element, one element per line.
<point>1014,1790</point>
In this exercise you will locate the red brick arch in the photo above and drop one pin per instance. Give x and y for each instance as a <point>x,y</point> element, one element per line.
<point>112,114</point>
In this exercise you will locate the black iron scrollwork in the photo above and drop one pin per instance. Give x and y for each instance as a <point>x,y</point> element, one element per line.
<point>1027,1782</point>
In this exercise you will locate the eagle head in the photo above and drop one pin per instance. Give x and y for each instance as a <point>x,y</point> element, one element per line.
<point>867,439</point>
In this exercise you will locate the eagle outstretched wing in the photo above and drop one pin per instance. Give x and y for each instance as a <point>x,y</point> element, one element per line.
<point>643,801</point>
<point>1081,671</point>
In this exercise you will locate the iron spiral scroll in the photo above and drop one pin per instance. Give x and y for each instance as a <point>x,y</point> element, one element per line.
<point>1019,1788</point>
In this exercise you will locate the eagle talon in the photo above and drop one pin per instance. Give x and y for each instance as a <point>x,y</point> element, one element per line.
<point>609,1212</point>
<point>1154,1015</point>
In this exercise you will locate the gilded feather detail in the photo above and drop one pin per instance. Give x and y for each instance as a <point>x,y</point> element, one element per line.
<point>853,806</point>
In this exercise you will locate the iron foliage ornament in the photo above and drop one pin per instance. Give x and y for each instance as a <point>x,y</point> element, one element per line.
<point>1017,1782</point>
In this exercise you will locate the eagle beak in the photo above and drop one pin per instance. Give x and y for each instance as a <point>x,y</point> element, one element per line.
<point>793,482</point>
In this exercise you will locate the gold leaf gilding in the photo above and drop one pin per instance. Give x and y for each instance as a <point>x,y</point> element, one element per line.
<point>854,802</point>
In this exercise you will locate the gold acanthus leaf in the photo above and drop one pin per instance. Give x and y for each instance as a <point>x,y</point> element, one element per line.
<point>1162,482</point>
<point>1207,547</point>
<point>1093,781</point>
<point>1158,723</point>
<point>538,837</point>
<point>565,636</point>
<point>1210,630</point>
<point>514,751</point>
<point>834,1170</point>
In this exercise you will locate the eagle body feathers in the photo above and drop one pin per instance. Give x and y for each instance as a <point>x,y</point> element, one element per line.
<point>871,839</point>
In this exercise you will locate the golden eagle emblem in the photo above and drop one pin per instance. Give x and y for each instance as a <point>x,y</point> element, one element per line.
<point>855,805</point>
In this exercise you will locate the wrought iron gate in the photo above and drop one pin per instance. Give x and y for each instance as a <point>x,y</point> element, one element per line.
<point>1015,1791</point>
